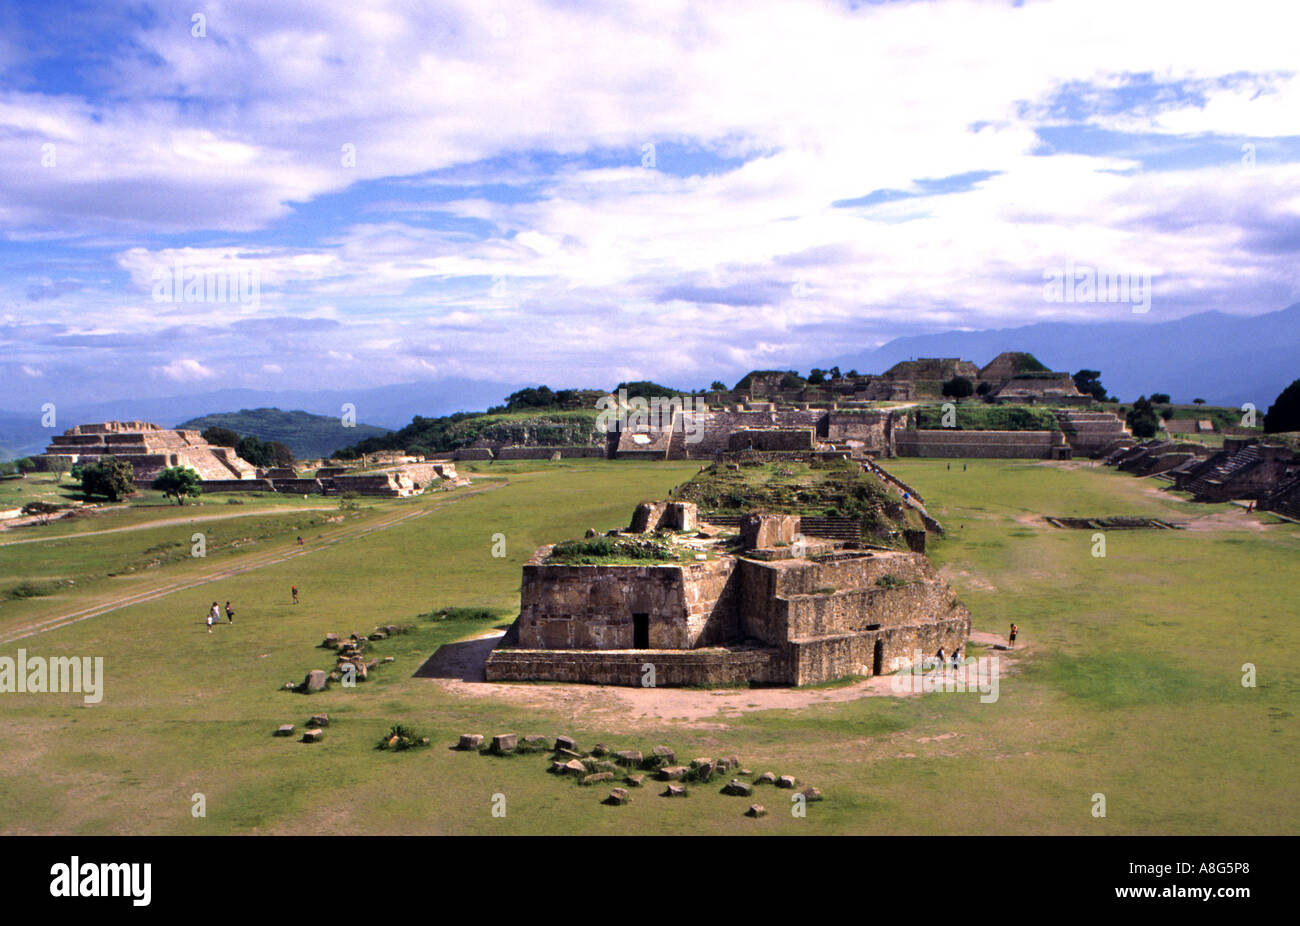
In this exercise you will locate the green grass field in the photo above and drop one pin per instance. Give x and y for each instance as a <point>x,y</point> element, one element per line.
<point>1128,685</point>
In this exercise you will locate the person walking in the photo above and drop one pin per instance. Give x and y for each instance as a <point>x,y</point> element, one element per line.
<point>212,616</point>
<point>230,613</point>
<point>295,594</point>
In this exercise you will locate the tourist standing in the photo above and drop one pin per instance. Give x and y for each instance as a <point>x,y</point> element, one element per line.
<point>230,613</point>
<point>295,594</point>
<point>1014,630</point>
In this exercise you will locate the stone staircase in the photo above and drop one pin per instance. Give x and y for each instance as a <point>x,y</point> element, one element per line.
<point>1091,433</point>
<point>1221,467</point>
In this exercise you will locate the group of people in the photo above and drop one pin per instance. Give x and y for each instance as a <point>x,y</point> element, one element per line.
<point>956,658</point>
<point>214,615</point>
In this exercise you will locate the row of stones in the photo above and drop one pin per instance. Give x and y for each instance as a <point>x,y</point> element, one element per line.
<point>596,769</point>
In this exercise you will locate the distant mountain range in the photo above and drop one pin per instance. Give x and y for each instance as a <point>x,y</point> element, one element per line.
<point>1224,359</point>
<point>308,436</point>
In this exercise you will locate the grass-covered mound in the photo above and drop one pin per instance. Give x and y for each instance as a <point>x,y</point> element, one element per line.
<point>980,417</point>
<point>830,488</point>
<point>609,551</point>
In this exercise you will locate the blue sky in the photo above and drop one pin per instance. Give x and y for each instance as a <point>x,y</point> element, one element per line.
<point>581,193</point>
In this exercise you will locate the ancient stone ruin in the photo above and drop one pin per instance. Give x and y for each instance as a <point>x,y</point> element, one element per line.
<point>149,449</point>
<point>727,607</point>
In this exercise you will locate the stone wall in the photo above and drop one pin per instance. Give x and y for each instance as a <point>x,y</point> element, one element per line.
<point>951,442</point>
<point>772,439</point>
<point>592,607</point>
<point>672,668</point>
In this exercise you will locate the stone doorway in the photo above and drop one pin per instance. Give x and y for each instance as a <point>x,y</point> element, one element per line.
<point>878,661</point>
<point>640,631</point>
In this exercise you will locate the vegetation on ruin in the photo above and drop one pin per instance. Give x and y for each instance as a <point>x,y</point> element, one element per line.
<point>612,551</point>
<point>451,432</point>
<point>830,488</point>
<point>1284,413</point>
<point>790,379</point>
<point>976,416</point>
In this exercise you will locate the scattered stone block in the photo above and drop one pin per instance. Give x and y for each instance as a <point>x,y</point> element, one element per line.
<point>563,743</point>
<point>313,736</point>
<point>672,773</point>
<point>665,755</point>
<point>319,720</point>
<point>597,777</point>
<point>635,780</point>
<point>738,788</point>
<point>316,680</point>
<point>391,629</point>
<point>568,754</point>
<point>557,768</point>
<point>285,729</point>
<point>675,791</point>
<point>785,781</point>
<point>573,767</point>
<point>744,771</point>
<point>389,658</point>
<point>629,757</point>
<point>378,635</point>
<point>600,749</point>
<point>591,532</point>
<point>331,641</point>
<point>469,741</point>
<point>767,778</point>
<point>811,794</point>
<point>503,743</point>
<point>617,796</point>
<point>703,768</point>
<point>756,810</point>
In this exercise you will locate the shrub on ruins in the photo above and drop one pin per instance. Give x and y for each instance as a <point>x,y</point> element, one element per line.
<point>816,377</point>
<point>220,437</point>
<point>959,387</point>
<point>1141,419</point>
<point>178,482</point>
<point>25,465</point>
<point>399,737</point>
<point>1284,413</point>
<point>1159,398</point>
<point>264,453</point>
<point>109,477</point>
<point>598,550</point>
<point>1089,383</point>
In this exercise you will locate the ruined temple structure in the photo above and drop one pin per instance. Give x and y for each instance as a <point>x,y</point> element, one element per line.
<point>1246,468</point>
<point>763,605</point>
<point>149,449</point>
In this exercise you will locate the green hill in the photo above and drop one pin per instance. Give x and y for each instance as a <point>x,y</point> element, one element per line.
<point>308,436</point>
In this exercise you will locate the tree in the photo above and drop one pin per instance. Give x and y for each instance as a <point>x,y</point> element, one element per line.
<point>1159,398</point>
<point>41,510</point>
<point>718,386</point>
<point>984,388</point>
<point>816,377</point>
<point>177,482</point>
<point>220,437</point>
<point>110,477</point>
<point>958,387</point>
<point>1089,383</point>
<point>1198,401</point>
<point>25,464</point>
<point>1284,413</point>
<point>281,455</point>
<point>58,464</point>
<point>1142,420</point>
<point>1167,413</point>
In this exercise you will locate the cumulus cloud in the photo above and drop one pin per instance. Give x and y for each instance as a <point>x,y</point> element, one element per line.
<point>186,370</point>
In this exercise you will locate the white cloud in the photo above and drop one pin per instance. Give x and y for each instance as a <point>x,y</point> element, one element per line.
<point>186,370</point>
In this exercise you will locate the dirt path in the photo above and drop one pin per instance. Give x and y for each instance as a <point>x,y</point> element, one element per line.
<point>225,571</point>
<point>458,668</point>
<point>167,522</point>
